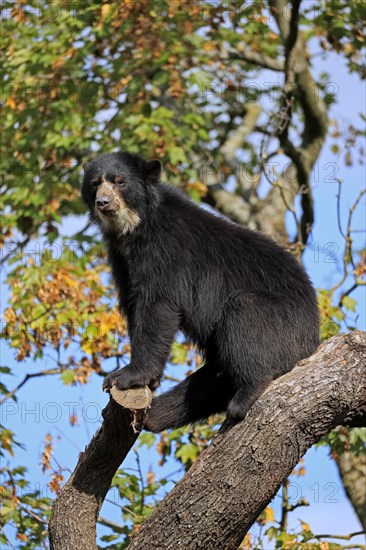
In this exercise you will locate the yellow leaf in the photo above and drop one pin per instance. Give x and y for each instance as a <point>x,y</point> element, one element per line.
<point>69,281</point>
<point>88,346</point>
<point>198,186</point>
<point>348,48</point>
<point>208,46</point>
<point>266,516</point>
<point>11,103</point>
<point>6,444</point>
<point>269,514</point>
<point>106,8</point>
<point>246,544</point>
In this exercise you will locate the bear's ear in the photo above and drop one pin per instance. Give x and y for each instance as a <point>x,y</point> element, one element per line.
<point>153,170</point>
<point>85,165</point>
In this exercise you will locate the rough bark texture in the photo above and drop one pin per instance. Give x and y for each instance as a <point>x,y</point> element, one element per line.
<point>236,477</point>
<point>75,512</point>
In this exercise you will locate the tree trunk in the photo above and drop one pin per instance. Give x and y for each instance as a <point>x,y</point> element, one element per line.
<point>233,480</point>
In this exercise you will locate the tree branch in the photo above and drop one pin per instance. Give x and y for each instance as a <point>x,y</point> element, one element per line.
<point>299,84</point>
<point>231,204</point>
<point>27,377</point>
<point>208,508</point>
<point>268,215</point>
<point>75,511</point>
<point>245,54</point>
<point>233,480</point>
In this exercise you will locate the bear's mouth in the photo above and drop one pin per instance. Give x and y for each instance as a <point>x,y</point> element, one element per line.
<point>108,213</point>
<point>121,219</point>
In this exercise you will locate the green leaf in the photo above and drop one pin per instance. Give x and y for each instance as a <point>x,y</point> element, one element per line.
<point>68,377</point>
<point>146,110</point>
<point>194,194</point>
<point>187,453</point>
<point>147,439</point>
<point>176,155</point>
<point>349,303</point>
<point>179,354</point>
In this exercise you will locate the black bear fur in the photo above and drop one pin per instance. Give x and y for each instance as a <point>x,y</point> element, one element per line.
<point>244,301</point>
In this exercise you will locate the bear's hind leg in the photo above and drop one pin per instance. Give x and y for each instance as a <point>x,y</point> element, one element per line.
<point>243,399</point>
<point>252,346</point>
<point>203,393</point>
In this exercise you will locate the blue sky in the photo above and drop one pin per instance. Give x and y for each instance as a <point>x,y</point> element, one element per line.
<point>44,404</point>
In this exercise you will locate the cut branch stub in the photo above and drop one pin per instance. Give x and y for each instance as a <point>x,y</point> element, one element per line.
<point>137,400</point>
<point>134,399</point>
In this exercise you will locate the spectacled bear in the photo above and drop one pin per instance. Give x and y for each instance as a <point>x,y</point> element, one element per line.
<point>244,301</point>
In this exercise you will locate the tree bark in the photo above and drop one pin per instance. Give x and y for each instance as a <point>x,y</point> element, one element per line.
<point>233,480</point>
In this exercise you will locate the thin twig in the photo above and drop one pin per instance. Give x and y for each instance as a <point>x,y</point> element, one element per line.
<point>25,379</point>
<point>141,481</point>
<point>7,539</point>
<point>339,209</point>
<point>347,256</point>
<point>285,505</point>
<point>340,537</point>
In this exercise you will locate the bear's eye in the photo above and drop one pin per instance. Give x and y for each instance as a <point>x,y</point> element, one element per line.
<point>120,182</point>
<point>95,182</point>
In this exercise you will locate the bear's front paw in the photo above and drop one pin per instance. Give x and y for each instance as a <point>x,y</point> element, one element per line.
<point>123,379</point>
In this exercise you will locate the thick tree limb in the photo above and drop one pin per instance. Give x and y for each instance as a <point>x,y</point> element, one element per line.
<point>237,476</point>
<point>75,511</point>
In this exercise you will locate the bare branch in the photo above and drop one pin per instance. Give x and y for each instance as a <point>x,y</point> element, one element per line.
<point>340,537</point>
<point>25,380</point>
<point>249,56</point>
<point>347,255</point>
<point>300,84</point>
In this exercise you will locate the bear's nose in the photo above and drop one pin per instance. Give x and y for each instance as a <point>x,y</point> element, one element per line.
<point>103,201</point>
